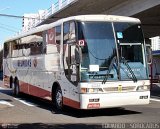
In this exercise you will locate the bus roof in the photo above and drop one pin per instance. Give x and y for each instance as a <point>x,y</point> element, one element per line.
<point>109,18</point>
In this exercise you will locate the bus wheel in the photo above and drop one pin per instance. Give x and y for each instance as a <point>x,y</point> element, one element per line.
<point>11,83</point>
<point>58,99</point>
<point>16,91</point>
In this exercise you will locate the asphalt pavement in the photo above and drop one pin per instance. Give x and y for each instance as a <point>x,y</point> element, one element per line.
<point>28,113</point>
<point>155,90</point>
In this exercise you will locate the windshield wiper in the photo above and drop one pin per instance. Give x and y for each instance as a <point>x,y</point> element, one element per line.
<point>112,64</point>
<point>124,61</point>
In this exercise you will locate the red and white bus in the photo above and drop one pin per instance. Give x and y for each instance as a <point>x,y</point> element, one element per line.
<point>85,62</point>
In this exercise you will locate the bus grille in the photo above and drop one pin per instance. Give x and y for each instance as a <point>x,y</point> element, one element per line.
<point>117,89</point>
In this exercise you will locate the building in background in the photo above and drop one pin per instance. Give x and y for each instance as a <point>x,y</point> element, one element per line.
<point>155,43</point>
<point>32,19</point>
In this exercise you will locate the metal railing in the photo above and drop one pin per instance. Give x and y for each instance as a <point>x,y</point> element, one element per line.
<point>59,5</point>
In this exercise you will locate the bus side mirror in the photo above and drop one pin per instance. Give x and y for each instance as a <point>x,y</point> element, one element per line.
<point>78,55</point>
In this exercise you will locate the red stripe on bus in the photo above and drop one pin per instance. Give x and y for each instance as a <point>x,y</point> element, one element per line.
<point>34,90</point>
<point>44,94</point>
<point>71,103</point>
<point>39,92</point>
<point>23,87</point>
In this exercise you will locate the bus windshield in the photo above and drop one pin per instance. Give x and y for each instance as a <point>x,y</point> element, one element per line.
<point>128,32</point>
<point>130,42</point>
<point>100,54</point>
<point>98,51</point>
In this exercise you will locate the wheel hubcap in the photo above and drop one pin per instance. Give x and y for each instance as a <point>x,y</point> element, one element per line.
<point>59,98</point>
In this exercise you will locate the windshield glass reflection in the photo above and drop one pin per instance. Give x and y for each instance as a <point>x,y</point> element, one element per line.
<point>98,51</point>
<point>99,54</point>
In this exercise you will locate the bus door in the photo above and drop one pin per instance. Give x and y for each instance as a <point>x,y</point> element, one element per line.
<point>71,66</point>
<point>70,63</point>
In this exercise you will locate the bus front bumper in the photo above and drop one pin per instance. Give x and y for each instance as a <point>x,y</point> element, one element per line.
<point>95,101</point>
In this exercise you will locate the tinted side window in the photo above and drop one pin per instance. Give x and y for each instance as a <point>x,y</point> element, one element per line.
<point>6,50</point>
<point>15,47</point>
<point>69,32</point>
<point>31,45</point>
<point>58,34</point>
<point>65,32</point>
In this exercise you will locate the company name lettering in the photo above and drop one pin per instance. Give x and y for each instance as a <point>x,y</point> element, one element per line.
<point>24,63</point>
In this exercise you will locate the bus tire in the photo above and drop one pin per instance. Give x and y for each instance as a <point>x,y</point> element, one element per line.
<point>16,91</point>
<point>11,83</point>
<point>58,99</point>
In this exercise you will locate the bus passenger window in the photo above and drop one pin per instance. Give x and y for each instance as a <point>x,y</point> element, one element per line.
<point>35,42</point>
<point>58,35</point>
<point>65,33</point>
<point>6,50</point>
<point>69,32</point>
<point>14,50</point>
<point>72,34</point>
<point>45,38</point>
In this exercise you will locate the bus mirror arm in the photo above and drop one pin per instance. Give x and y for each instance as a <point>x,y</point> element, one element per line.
<point>149,54</point>
<point>150,57</point>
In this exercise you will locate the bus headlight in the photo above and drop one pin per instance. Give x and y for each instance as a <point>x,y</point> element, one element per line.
<point>91,90</point>
<point>143,88</point>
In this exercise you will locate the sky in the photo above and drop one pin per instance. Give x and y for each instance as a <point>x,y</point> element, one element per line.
<point>10,26</point>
